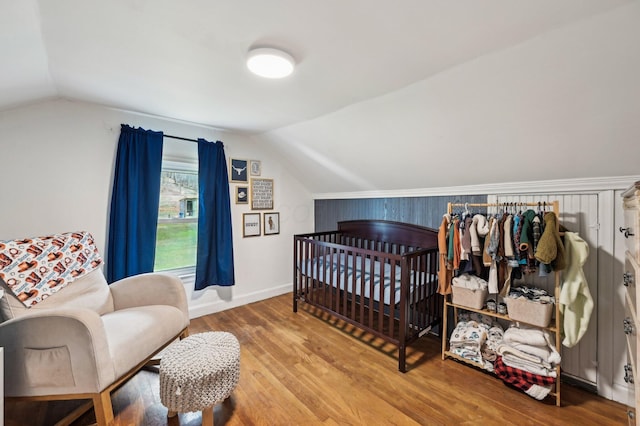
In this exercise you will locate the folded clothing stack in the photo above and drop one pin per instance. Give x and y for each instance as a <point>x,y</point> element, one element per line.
<point>470,282</point>
<point>532,294</point>
<point>476,338</point>
<point>527,359</point>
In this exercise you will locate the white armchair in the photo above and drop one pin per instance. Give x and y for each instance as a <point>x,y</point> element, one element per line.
<point>85,340</point>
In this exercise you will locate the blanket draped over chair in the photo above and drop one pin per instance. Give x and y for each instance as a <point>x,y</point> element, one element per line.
<point>35,268</point>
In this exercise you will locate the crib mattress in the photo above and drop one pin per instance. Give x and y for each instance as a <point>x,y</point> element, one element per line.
<point>362,276</point>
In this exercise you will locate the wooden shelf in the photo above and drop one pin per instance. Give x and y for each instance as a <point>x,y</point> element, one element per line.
<point>551,327</point>
<point>466,361</point>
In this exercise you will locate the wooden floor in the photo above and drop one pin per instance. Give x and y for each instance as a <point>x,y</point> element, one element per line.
<point>308,369</point>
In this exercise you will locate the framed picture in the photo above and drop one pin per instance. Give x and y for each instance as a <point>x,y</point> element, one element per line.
<point>261,194</point>
<point>251,225</point>
<point>238,170</point>
<point>256,168</point>
<point>242,194</point>
<point>271,223</point>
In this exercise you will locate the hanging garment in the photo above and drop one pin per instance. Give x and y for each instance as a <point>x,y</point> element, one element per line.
<point>465,238</point>
<point>526,233</point>
<point>479,229</point>
<point>444,271</point>
<point>488,251</point>
<point>456,244</point>
<point>550,249</point>
<point>576,303</point>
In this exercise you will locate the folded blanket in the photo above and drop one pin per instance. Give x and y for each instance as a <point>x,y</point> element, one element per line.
<point>469,333</point>
<point>531,367</point>
<point>35,268</point>
<point>473,356</point>
<point>547,353</point>
<point>490,347</point>
<point>529,336</point>
<point>505,349</point>
<point>537,387</point>
<point>471,282</point>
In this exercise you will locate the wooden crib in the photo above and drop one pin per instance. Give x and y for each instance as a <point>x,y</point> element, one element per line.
<point>380,276</point>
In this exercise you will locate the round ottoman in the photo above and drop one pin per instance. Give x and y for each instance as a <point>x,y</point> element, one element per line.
<point>198,372</point>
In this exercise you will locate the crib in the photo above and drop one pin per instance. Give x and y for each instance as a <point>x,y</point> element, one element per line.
<point>380,276</point>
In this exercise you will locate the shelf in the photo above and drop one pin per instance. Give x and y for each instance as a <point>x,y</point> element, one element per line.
<point>466,361</point>
<point>552,394</point>
<point>500,316</point>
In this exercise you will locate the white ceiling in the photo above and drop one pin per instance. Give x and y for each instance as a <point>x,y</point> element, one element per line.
<point>185,59</point>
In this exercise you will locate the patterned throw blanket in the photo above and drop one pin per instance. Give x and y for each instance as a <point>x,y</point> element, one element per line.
<point>35,268</point>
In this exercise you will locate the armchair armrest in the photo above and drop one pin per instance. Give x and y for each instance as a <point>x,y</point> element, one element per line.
<point>153,288</point>
<point>56,352</point>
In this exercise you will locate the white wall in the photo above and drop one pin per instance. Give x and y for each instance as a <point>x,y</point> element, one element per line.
<point>57,161</point>
<point>562,105</point>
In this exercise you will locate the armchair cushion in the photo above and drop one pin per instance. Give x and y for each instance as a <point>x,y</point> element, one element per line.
<point>89,291</point>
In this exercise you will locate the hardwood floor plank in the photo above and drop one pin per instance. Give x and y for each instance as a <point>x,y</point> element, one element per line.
<point>309,368</point>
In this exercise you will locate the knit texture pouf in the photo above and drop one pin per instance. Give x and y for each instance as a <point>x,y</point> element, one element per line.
<point>199,371</point>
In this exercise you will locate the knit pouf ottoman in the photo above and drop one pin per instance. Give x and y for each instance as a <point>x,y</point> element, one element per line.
<point>198,372</point>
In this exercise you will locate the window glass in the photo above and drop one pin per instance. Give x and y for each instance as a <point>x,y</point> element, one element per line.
<point>177,220</point>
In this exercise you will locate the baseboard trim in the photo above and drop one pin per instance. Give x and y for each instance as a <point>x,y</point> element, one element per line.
<point>198,310</point>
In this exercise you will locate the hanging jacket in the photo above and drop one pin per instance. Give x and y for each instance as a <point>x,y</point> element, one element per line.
<point>550,249</point>
<point>444,271</point>
<point>576,303</point>
<point>526,234</point>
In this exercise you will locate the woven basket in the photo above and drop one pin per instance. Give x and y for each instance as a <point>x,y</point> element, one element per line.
<point>534,313</point>
<point>469,298</point>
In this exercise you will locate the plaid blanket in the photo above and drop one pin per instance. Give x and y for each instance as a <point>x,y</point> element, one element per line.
<point>35,268</point>
<point>532,384</point>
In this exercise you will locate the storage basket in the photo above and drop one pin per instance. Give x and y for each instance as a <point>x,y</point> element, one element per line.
<point>534,313</point>
<point>467,297</point>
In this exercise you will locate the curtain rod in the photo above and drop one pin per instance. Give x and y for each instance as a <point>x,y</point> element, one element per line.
<point>180,138</point>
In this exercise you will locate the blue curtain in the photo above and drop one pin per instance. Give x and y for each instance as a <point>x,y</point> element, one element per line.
<point>215,240</point>
<point>134,203</point>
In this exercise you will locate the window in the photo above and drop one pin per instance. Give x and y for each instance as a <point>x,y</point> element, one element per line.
<point>177,218</point>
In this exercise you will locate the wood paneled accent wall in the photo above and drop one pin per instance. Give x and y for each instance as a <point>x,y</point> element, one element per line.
<point>425,211</point>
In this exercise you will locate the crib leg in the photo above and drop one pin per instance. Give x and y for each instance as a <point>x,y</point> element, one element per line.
<point>295,303</point>
<point>402,358</point>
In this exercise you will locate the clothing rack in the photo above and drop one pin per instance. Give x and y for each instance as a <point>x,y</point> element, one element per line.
<point>556,328</point>
<point>554,205</point>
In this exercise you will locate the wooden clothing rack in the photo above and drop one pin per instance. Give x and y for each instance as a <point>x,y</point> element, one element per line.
<point>555,328</point>
<point>554,205</point>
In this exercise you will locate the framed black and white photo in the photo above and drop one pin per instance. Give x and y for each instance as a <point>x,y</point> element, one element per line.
<point>271,223</point>
<point>261,194</point>
<point>238,170</point>
<point>251,225</point>
<point>256,168</point>
<point>242,194</point>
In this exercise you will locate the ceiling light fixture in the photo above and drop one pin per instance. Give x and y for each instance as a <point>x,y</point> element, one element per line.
<point>270,63</point>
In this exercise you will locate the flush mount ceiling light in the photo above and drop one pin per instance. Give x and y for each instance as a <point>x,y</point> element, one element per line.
<point>270,63</point>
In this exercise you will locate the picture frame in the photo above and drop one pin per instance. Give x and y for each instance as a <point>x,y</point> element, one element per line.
<point>251,225</point>
<point>271,223</point>
<point>242,194</point>
<point>238,170</point>
<point>255,168</point>
<point>261,194</point>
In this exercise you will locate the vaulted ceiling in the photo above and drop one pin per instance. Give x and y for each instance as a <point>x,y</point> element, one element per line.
<point>185,60</point>
<point>376,81</point>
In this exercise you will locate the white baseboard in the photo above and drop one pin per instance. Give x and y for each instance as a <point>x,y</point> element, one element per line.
<point>199,309</point>
<point>621,393</point>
